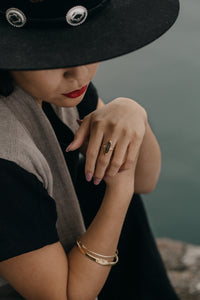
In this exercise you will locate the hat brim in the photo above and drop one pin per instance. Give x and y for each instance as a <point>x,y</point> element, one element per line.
<point>121,27</point>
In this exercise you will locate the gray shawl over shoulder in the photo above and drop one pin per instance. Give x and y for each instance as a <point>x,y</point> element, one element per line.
<point>27,138</point>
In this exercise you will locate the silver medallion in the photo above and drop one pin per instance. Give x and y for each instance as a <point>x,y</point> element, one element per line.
<point>76,15</point>
<point>15,17</point>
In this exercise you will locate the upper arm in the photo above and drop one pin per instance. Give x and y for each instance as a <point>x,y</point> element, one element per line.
<point>39,274</point>
<point>32,259</point>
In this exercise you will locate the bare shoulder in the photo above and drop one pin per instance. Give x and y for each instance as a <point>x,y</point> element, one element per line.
<point>39,274</point>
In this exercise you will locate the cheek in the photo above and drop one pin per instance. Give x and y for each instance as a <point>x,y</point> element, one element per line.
<point>93,69</point>
<point>44,87</point>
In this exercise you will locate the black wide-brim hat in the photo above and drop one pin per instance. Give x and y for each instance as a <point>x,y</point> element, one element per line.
<point>48,34</point>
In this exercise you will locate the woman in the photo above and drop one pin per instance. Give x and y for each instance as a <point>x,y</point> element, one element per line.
<point>49,56</point>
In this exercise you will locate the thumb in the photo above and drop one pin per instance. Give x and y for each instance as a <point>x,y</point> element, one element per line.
<point>80,136</point>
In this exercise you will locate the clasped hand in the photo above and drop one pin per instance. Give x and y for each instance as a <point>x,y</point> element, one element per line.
<point>123,122</point>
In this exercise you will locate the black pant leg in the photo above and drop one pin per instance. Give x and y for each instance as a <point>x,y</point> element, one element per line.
<point>140,273</point>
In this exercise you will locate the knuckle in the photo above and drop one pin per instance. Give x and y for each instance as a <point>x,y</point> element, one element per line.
<point>97,123</point>
<point>102,161</point>
<point>115,164</point>
<point>90,154</point>
<point>137,136</point>
<point>126,131</point>
<point>113,125</point>
<point>86,118</point>
<point>111,173</point>
<point>128,163</point>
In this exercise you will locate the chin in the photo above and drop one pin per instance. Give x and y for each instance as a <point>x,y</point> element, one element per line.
<point>68,102</point>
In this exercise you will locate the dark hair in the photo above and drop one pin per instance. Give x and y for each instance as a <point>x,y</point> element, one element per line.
<point>6,83</point>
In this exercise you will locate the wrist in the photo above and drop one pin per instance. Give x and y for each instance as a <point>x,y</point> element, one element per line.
<point>119,192</point>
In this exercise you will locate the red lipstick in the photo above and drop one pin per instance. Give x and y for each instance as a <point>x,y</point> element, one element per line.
<point>76,93</point>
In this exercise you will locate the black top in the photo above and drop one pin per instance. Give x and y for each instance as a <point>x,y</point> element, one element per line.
<point>31,223</point>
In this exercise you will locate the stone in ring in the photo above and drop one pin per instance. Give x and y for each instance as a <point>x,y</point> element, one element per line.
<point>107,147</point>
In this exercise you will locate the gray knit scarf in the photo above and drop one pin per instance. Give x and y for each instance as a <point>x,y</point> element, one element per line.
<point>27,138</point>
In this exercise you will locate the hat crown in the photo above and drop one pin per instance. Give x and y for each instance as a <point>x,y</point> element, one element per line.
<point>47,39</point>
<point>46,9</point>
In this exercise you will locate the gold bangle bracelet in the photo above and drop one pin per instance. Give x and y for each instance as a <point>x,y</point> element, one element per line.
<point>100,260</point>
<point>80,244</point>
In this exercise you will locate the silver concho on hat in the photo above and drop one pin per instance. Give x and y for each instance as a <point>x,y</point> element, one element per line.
<point>76,15</point>
<point>15,17</point>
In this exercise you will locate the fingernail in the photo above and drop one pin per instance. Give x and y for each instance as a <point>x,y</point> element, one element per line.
<point>97,181</point>
<point>79,121</point>
<point>89,176</point>
<point>68,148</point>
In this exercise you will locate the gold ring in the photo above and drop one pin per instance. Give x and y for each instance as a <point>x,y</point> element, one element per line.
<point>107,147</point>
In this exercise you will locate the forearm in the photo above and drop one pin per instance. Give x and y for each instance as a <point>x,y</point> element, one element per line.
<point>148,164</point>
<point>86,278</point>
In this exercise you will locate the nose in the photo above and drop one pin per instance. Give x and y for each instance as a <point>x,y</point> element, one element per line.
<point>78,76</point>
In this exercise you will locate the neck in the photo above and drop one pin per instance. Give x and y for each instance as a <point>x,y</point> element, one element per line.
<point>39,101</point>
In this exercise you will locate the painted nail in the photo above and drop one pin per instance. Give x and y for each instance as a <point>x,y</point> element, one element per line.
<point>68,148</point>
<point>79,121</point>
<point>97,181</point>
<point>88,176</point>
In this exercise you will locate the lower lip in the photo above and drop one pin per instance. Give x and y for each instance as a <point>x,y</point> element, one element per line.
<point>76,93</point>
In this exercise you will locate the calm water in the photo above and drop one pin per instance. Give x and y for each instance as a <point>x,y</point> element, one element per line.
<point>164,77</point>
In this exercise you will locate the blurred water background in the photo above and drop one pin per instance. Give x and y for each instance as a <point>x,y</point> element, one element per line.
<point>164,77</point>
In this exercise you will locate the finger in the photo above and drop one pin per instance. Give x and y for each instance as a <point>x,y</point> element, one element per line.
<point>118,157</point>
<point>130,158</point>
<point>79,121</point>
<point>80,136</point>
<point>94,144</point>
<point>103,158</point>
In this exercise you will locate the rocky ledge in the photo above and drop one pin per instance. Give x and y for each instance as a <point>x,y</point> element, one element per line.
<point>182,262</point>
